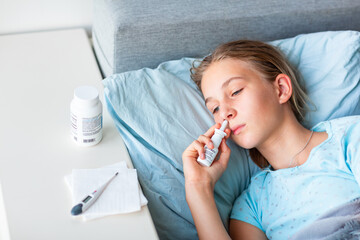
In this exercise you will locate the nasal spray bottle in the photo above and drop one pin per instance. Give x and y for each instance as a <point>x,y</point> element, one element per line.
<point>210,154</point>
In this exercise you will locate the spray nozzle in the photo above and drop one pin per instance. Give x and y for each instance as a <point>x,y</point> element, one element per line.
<point>223,125</point>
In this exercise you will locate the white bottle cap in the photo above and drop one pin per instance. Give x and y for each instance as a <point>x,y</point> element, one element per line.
<point>86,95</point>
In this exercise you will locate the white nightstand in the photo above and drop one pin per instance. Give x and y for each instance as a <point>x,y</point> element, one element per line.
<point>38,73</point>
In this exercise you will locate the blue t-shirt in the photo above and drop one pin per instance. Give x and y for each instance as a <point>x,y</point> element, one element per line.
<point>281,202</point>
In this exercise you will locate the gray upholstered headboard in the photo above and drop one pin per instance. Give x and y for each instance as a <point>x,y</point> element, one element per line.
<point>130,35</point>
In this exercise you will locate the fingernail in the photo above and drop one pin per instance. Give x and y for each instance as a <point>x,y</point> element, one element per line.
<point>202,156</point>
<point>211,144</point>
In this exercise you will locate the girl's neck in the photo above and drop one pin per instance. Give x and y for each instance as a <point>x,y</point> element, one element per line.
<point>285,142</point>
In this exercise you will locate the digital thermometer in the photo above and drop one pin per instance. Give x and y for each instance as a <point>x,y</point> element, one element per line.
<point>91,198</point>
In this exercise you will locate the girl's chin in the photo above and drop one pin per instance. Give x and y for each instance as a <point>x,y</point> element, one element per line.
<point>244,143</point>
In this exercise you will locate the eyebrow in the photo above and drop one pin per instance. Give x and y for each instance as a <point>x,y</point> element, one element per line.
<point>224,85</point>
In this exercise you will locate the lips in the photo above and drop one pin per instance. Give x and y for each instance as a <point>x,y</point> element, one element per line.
<point>237,129</point>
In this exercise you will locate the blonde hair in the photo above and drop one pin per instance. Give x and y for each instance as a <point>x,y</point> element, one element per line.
<point>269,62</point>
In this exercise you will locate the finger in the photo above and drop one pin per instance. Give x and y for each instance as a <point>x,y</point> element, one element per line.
<point>228,133</point>
<point>225,154</point>
<point>206,141</point>
<point>199,147</point>
<point>223,147</point>
<point>192,151</point>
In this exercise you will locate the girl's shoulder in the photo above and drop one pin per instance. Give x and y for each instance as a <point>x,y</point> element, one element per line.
<point>258,179</point>
<point>338,126</point>
<point>345,122</point>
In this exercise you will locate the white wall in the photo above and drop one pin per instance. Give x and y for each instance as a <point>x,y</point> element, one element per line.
<point>18,16</point>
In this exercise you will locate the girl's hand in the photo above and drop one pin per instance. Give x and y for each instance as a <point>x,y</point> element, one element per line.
<point>195,174</point>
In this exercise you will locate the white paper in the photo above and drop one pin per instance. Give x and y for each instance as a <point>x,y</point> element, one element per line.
<point>122,165</point>
<point>122,195</point>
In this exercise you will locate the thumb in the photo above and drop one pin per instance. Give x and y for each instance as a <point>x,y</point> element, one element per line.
<point>225,154</point>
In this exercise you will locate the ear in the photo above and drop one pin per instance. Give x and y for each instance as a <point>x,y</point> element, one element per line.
<point>283,87</point>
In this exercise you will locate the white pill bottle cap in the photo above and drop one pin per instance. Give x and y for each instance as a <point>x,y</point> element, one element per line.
<point>86,96</point>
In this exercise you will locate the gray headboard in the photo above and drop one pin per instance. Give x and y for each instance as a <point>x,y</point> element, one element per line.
<point>130,34</point>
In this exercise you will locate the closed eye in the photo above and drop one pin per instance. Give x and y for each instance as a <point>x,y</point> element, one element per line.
<point>236,92</point>
<point>215,110</point>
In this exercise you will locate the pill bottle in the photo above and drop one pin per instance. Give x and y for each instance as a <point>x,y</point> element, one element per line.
<point>86,116</point>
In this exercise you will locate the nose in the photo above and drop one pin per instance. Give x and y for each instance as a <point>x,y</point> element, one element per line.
<point>227,113</point>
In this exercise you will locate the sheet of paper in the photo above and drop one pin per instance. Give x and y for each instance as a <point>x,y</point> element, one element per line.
<point>122,195</point>
<point>122,165</point>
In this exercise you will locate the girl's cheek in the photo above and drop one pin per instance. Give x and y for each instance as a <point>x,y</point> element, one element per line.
<point>217,118</point>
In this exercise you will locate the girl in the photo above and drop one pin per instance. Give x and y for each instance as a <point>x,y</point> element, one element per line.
<point>304,172</point>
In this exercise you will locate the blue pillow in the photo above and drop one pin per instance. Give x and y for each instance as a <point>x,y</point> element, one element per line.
<point>329,63</point>
<point>159,112</point>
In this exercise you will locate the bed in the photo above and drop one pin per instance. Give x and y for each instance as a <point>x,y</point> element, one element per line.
<point>146,48</point>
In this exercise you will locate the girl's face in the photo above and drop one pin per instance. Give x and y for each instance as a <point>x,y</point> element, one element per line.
<point>235,91</point>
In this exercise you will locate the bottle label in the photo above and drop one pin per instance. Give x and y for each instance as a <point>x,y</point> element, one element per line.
<point>209,153</point>
<point>91,126</point>
<point>74,125</point>
<point>86,130</point>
